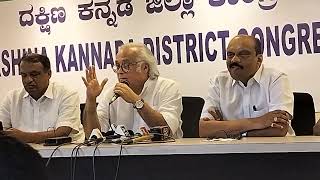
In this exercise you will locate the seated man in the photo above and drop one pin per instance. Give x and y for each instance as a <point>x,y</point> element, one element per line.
<point>145,99</point>
<point>41,109</point>
<point>248,99</point>
<point>19,161</point>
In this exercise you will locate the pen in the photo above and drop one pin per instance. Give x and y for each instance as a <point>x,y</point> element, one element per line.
<point>254,108</point>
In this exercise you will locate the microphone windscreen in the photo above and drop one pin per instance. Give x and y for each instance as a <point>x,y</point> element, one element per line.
<point>131,132</point>
<point>94,137</point>
<point>108,133</point>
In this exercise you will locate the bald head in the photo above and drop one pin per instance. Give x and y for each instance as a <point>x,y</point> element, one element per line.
<point>243,57</point>
<point>255,42</point>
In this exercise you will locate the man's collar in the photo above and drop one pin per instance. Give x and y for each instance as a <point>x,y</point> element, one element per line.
<point>257,76</point>
<point>48,93</point>
<point>147,84</point>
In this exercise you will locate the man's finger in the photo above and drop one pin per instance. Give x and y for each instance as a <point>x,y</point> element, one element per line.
<point>84,81</point>
<point>94,75</point>
<point>205,119</point>
<point>283,116</point>
<point>87,74</point>
<point>92,72</point>
<point>218,113</point>
<point>275,125</point>
<point>104,82</point>
<point>280,120</point>
<point>213,113</point>
<point>280,113</point>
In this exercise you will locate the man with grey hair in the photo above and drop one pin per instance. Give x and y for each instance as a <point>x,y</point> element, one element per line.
<point>145,99</point>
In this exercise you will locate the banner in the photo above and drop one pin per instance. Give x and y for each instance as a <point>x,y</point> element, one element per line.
<point>188,38</point>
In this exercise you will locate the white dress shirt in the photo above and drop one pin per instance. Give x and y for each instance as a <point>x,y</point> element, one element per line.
<point>266,91</point>
<point>57,107</point>
<point>161,94</point>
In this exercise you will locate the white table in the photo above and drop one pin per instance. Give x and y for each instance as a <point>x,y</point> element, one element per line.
<point>286,158</point>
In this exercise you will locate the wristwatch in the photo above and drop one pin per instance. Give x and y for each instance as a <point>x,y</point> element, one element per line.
<point>139,104</point>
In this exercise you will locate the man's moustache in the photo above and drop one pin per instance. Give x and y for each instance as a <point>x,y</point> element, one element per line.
<point>235,65</point>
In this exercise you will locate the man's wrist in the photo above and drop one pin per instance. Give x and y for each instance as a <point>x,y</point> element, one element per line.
<point>91,99</point>
<point>257,123</point>
<point>139,104</point>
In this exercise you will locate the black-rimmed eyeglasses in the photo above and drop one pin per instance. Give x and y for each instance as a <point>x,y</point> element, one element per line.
<point>125,66</point>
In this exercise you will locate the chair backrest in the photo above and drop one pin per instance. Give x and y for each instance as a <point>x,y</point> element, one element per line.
<point>192,108</point>
<point>303,114</point>
<point>82,106</point>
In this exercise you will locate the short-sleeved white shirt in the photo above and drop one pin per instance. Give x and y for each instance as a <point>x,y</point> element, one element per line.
<point>57,107</point>
<point>161,94</point>
<point>266,91</point>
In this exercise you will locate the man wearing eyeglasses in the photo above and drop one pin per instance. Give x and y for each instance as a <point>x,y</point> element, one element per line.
<point>248,99</point>
<point>145,99</point>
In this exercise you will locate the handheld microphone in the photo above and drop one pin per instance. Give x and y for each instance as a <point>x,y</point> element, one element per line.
<point>115,96</point>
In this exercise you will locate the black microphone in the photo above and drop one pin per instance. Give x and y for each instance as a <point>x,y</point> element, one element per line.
<point>115,96</point>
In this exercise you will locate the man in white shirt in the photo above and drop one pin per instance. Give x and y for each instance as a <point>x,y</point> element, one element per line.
<point>248,99</point>
<point>145,99</point>
<point>41,109</point>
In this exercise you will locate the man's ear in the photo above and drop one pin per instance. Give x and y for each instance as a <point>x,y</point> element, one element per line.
<point>146,68</point>
<point>260,59</point>
<point>49,73</point>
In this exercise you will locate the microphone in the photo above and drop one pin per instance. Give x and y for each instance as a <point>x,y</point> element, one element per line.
<point>115,96</point>
<point>95,134</point>
<point>95,137</point>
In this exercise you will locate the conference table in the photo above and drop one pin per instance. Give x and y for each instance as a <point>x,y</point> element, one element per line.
<point>189,158</point>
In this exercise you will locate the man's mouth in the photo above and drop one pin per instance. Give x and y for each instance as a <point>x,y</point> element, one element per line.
<point>31,87</point>
<point>123,80</point>
<point>235,66</point>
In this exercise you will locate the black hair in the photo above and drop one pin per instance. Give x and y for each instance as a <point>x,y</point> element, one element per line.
<point>35,58</point>
<point>257,46</point>
<point>19,161</point>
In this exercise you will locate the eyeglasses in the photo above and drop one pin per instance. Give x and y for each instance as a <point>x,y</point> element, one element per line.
<point>125,66</point>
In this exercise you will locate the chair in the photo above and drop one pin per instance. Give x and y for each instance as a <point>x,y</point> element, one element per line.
<point>303,114</point>
<point>82,106</point>
<point>192,108</point>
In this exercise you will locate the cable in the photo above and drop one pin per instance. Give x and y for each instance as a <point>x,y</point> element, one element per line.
<point>109,120</point>
<point>93,162</point>
<point>55,149</point>
<point>118,163</point>
<point>73,163</point>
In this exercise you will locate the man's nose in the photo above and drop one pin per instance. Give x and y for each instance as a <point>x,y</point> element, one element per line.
<point>235,58</point>
<point>28,79</point>
<point>120,71</point>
